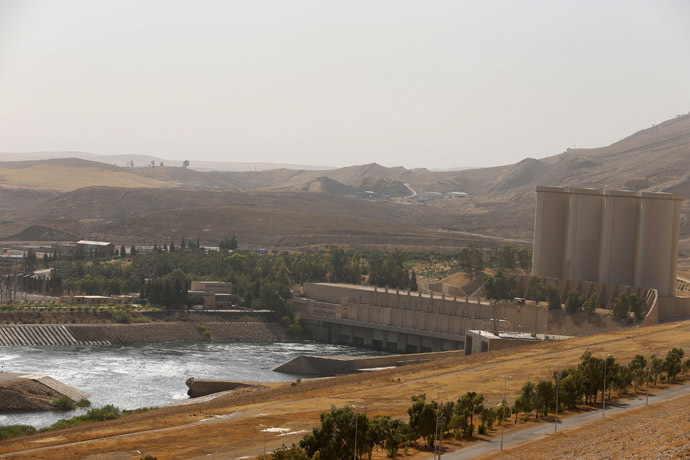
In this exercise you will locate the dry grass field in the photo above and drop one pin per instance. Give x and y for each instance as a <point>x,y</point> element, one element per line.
<point>658,432</point>
<point>228,427</point>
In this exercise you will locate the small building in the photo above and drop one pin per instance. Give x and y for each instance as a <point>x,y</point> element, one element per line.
<point>95,248</point>
<point>216,294</point>
<point>478,341</point>
<point>451,195</point>
<point>423,197</point>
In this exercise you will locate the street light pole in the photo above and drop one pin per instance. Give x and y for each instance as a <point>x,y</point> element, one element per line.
<point>438,411</point>
<point>649,358</point>
<point>354,455</point>
<point>264,430</point>
<point>505,388</point>
<point>603,407</point>
<point>558,380</point>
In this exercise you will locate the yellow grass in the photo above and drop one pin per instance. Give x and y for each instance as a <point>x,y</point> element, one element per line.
<point>63,178</point>
<point>228,426</point>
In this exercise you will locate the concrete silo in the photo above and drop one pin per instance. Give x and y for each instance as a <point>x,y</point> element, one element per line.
<point>584,234</point>
<point>619,237</point>
<point>657,246</point>
<point>550,231</point>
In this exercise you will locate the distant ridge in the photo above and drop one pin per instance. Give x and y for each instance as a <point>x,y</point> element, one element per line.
<point>123,160</point>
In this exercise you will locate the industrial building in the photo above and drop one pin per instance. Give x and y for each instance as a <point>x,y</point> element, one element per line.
<point>613,241</point>
<point>611,237</point>
<point>95,248</point>
<point>216,294</point>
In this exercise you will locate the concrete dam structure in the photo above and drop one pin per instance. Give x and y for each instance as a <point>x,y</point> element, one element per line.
<point>55,334</point>
<point>610,237</point>
<point>610,242</point>
<point>406,322</point>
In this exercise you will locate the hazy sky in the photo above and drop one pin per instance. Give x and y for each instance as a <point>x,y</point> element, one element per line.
<point>435,84</point>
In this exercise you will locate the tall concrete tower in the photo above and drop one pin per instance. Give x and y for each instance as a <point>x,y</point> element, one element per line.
<point>619,237</point>
<point>613,237</point>
<point>550,231</point>
<point>584,234</point>
<point>657,245</point>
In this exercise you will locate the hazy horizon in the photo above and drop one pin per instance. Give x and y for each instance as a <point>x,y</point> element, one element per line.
<point>441,85</point>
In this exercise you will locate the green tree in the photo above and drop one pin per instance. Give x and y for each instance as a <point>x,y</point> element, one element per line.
<point>620,306</point>
<point>591,305</point>
<point>185,164</point>
<point>552,296</point>
<point>499,286</point>
<point>413,281</point>
<point>470,404</point>
<point>423,418</point>
<point>637,306</point>
<point>544,396</point>
<point>574,302</point>
<point>673,363</point>
<point>535,289</point>
<point>528,398</point>
<point>334,439</point>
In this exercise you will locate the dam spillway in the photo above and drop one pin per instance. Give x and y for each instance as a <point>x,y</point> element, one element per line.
<point>41,335</point>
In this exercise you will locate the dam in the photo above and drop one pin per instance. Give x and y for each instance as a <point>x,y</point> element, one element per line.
<point>406,322</point>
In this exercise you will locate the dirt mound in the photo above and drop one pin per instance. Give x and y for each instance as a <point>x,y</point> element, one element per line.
<point>40,233</point>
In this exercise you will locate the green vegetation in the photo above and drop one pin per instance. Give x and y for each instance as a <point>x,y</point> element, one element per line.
<point>64,403</point>
<point>100,414</point>
<point>15,431</point>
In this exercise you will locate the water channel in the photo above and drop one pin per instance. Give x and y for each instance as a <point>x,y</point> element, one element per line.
<point>136,376</point>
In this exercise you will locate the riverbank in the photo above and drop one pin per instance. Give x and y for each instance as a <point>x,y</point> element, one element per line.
<point>30,329</point>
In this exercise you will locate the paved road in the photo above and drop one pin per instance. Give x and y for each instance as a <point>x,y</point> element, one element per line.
<point>569,423</point>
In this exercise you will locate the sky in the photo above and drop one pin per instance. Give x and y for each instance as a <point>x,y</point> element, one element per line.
<point>434,84</point>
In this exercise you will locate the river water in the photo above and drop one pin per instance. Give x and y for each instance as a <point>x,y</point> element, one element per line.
<point>133,376</point>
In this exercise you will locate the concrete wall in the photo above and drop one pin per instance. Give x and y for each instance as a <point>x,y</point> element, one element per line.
<point>402,321</point>
<point>337,365</point>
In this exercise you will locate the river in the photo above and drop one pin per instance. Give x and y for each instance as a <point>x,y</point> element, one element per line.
<point>134,376</point>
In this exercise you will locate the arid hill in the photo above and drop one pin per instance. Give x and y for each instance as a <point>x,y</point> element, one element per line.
<point>298,208</point>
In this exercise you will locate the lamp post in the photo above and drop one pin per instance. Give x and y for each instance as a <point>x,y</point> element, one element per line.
<point>603,406</point>
<point>265,432</point>
<point>558,380</point>
<point>354,455</point>
<point>438,412</point>
<point>505,388</point>
<point>649,359</point>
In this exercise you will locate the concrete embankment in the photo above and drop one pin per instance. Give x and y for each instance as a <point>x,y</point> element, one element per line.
<point>158,332</point>
<point>33,392</point>
<point>340,365</point>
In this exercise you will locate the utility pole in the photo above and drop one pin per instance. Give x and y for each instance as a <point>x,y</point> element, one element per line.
<point>558,380</point>
<point>438,413</point>
<point>603,406</point>
<point>505,387</point>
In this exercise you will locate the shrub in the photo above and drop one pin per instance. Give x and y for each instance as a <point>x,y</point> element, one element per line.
<point>83,403</point>
<point>482,429</point>
<point>64,403</point>
<point>14,431</point>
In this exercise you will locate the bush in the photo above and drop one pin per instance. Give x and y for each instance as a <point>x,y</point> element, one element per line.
<point>14,431</point>
<point>83,403</point>
<point>482,429</point>
<point>64,403</point>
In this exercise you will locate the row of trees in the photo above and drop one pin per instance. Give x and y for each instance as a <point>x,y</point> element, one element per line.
<point>345,433</point>
<point>473,260</point>
<point>502,286</point>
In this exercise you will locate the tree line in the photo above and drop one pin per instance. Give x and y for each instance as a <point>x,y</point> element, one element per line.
<point>501,286</point>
